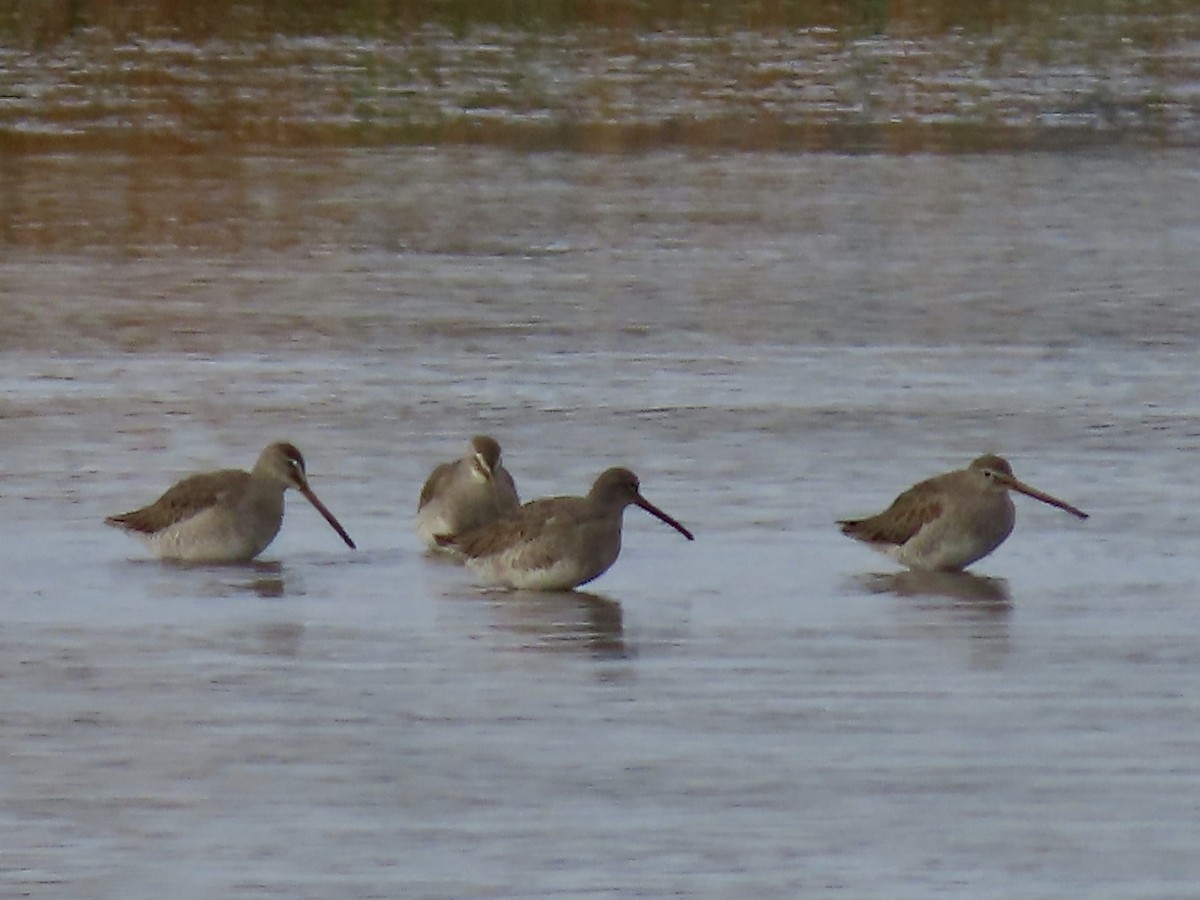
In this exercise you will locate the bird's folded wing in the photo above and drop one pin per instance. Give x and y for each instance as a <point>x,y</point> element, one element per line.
<point>186,499</point>
<point>900,522</point>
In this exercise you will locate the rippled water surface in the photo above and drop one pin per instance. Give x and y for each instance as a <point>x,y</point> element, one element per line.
<point>772,341</point>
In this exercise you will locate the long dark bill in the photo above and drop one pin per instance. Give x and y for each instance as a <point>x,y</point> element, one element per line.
<point>1033,492</point>
<point>337,526</point>
<point>659,514</point>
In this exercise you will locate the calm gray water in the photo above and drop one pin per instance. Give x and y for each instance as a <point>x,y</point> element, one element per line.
<point>771,342</point>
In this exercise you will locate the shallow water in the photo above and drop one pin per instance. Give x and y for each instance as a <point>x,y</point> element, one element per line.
<point>771,342</point>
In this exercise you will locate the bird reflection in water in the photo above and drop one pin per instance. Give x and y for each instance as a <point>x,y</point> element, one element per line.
<point>962,587</point>
<point>567,621</point>
<point>279,638</point>
<point>965,610</point>
<point>233,579</point>
<point>267,580</point>
<point>263,579</point>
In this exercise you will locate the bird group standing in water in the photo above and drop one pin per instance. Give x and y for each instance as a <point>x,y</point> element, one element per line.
<point>469,509</point>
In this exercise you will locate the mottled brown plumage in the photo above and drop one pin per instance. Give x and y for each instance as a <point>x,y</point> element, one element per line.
<point>183,500</point>
<point>465,493</point>
<point>900,522</point>
<point>952,520</point>
<point>561,542</point>
<point>228,515</point>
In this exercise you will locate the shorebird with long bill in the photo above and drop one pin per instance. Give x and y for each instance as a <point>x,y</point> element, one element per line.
<point>465,493</point>
<point>950,521</point>
<point>225,516</point>
<point>558,543</point>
